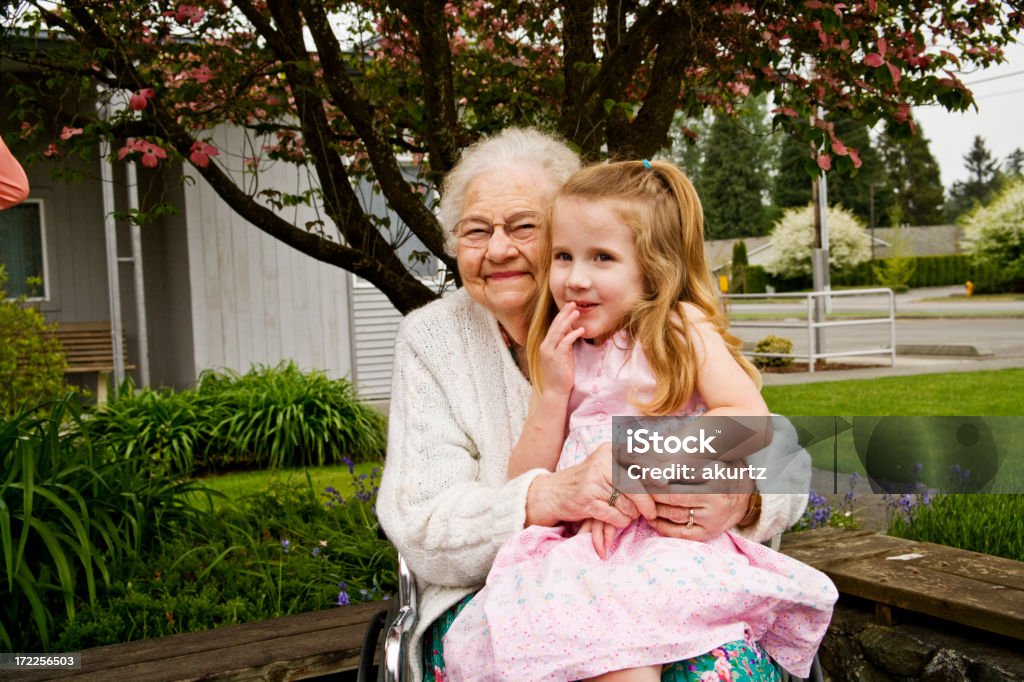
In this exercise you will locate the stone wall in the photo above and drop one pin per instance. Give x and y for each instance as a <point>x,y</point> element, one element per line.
<point>915,648</point>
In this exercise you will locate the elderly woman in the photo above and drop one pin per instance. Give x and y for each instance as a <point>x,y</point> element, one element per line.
<point>460,395</point>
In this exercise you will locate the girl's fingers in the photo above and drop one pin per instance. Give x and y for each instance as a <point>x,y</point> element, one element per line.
<point>597,537</point>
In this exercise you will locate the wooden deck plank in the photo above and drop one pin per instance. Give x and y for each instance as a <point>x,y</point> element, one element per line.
<point>978,590</point>
<point>993,608</point>
<point>314,639</point>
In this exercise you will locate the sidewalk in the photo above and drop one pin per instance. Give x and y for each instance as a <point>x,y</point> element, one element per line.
<point>905,366</point>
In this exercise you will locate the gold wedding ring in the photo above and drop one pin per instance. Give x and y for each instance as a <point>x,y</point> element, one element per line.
<point>689,524</point>
<point>615,496</point>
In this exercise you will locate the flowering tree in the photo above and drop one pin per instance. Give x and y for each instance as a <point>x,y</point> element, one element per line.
<point>793,241</point>
<point>344,90</point>
<point>994,234</point>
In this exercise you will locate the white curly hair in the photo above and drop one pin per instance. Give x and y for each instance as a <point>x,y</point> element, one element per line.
<point>510,148</point>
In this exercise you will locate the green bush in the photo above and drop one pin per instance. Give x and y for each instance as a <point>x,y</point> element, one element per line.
<point>68,514</point>
<point>756,279</point>
<point>288,550</point>
<point>32,362</point>
<point>280,416</point>
<point>773,344</point>
<point>270,417</point>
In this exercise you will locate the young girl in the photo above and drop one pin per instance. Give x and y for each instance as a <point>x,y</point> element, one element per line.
<point>637,332</point>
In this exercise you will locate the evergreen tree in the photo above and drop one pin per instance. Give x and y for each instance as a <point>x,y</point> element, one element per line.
<point>739,267</point>
<point>854,192</point>
<point>1015,163</point>
<point>913,192</point>
<point>983,181</point>
<point>792,185</point>
<point>734,175</point>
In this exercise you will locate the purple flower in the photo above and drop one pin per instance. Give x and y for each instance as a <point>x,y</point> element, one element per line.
<point>286,545</point>
<point>343,599</point>
<point>316,551</point>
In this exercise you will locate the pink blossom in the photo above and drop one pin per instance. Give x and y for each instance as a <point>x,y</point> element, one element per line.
<point>894,72</point>
<point>201,153</point>
<point>68,133</point>
<point>902,113</point>
<point>874,60</point>
<point>825,162</point>
<point>202,74</point>
<point>855,157</point>
<point>140,99</point>
<point>189,13</point>
<point>785,110</point>
<point>150,153</point>
<point>839,149</point>
<point>52,151</point>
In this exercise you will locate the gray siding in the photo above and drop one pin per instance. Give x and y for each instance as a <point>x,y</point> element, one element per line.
<point>374,323</point>
<point>253,299</point>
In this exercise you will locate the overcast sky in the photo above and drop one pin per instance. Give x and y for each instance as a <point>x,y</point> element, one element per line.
<point>999,93</point>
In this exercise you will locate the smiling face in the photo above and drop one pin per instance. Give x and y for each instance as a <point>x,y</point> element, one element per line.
<point>500,273</point>
<point>594,264</point>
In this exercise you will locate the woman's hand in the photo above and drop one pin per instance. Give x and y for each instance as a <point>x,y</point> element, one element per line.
<point>582,492</point>
<point>712,514</point>
<point>556,357</point>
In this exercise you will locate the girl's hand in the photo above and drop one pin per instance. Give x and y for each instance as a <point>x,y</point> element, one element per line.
<point>556,357</point>
<point>602,535</point>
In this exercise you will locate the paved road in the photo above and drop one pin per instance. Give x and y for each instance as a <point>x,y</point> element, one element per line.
<point>1002,336</point>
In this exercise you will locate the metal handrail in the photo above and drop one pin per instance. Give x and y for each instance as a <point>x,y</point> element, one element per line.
<point>812,325</point>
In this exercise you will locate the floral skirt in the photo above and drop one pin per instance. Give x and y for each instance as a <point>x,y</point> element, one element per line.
<point>738,661</point>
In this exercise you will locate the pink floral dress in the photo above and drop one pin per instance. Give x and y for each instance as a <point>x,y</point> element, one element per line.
<point>552,609</point>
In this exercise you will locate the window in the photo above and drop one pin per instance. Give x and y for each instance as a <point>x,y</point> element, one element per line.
<point>21,249</point>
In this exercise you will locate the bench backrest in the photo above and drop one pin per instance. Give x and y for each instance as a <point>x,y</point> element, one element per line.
<point>89,346</point>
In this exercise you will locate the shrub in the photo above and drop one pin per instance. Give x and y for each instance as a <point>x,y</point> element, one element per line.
<point>994,235</point>
<point>793,240</point>
<point>68,514</point>
<point>280,416</point>
<point>756,279</point>
<point>283,551</point>
<point>773,344</point>
<point>32,362</point>
<point>270,417</point>
<point>896,271</point>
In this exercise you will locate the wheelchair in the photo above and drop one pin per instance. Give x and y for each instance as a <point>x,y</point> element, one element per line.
<point>398,621</point>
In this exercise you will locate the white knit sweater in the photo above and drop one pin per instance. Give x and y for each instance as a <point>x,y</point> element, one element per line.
<point>458,404</point>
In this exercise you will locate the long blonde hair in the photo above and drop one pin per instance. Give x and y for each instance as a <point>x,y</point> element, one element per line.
<point>661,207</point>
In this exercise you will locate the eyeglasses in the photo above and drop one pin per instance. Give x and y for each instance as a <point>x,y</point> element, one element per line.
<point>520,228</point>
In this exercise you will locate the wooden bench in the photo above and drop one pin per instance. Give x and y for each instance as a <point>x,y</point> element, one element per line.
<point>978,590</point>
<point>89,347</point>
<point>288,648</point>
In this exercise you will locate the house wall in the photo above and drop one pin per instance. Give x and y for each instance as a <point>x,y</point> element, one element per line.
<point>77,289</point>
<point>254,299</point>
<point>167,282</point>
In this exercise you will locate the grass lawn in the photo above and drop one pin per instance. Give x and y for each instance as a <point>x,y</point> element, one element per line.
<point>985,394</point>
<point>237,484</point>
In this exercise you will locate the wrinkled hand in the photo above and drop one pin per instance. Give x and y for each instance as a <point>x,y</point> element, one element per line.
<point>581,492</point>
<point>712,514</point>
<point>556,358</point>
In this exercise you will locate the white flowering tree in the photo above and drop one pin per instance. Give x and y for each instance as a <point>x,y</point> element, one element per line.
<point>994,234</point>
<point>793,241</point>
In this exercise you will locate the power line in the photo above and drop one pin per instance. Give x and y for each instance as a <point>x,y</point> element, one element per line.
<point>995,78</point>
<point>999,94</point>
